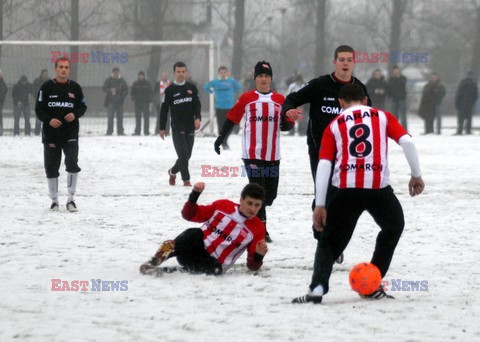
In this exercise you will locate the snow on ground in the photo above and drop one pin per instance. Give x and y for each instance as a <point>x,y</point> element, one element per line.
<point>126,208</point>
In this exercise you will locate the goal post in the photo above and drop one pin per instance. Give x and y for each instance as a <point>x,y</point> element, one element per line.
<point>29,57</point>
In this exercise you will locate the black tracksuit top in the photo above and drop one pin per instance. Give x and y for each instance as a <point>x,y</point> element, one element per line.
<point>54,101</point>
<point>322,94</point>
<point>185,107</point>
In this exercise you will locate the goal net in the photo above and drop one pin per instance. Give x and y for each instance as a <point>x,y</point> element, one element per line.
<point>92,63</point>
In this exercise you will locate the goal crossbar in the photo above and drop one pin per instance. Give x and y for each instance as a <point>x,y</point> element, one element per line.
<point>206,43</point>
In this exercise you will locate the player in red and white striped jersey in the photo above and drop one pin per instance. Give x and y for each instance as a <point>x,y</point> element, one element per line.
<point>357,142</point>
<point>228,230</point>
<point>261,111</point>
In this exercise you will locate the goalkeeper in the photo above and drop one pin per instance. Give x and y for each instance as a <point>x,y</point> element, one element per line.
<point>228,230</point>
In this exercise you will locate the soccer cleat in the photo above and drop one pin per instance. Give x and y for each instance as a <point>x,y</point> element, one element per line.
<point>54,206</point>
<point>171,180</point>
<point>308,298</point>
<point>163,252</point>
<point>268,239</point>
<point>71,207</point>
<point>340,259</point>
<point>379,294</point>
<point>187,183</point>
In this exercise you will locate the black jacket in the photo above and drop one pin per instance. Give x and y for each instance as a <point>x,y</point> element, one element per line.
<point>54,101</point>
<point>377,89</point>
<point>184,104</point>
<point>466,95</point>
<point>432,96</point>
<point>322,94</point>
<point>397,88</point>
<point>141,92</point>
<point>3,90</point>
<point>121,90</point>
<point>20,93</point>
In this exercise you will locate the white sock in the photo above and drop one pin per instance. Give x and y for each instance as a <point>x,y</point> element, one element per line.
<point>71,185</point>
<point>317,291</point>
<point>53,189</point>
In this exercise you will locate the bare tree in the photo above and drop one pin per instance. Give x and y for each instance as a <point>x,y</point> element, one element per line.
<point>320,16</point>
<point>238,31</point>
<point>395,30</point>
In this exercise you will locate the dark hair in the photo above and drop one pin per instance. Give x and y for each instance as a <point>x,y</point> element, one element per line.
<point>43,70</point>
<point>351,93</point>
<point>179,65</point>
<point>115,69</point>
<point>253,190</point>
<point>62,59</point>
<point>343,48</point>
<point>223,67</point>
<point>396,67</point>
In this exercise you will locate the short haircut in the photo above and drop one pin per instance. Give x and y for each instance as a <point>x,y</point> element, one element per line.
<point>343,48</point>
<point>115,69</point>
<point>179,65</point>
<point>351,93</point>
<point>396,67</point>
<point>253,190</point>
<point>43,70</point>
<point>62,59</point>
<point>223,67</point>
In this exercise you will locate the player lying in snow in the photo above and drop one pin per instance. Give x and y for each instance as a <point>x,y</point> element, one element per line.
<point>228,230</point>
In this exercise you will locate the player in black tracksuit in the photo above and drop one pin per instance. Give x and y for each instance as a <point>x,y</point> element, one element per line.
<point>181,98</point>
<point>322,94</point>
<point>60,104</point>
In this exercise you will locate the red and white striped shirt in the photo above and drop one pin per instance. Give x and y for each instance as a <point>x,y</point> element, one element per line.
<point>357,140</point>
<point>261,129</point>
<point>226,232</point>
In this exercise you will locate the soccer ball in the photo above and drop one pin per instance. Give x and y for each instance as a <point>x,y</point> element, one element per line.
<point>365,278</point>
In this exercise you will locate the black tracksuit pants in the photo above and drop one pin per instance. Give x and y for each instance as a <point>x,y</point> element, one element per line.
<point>192,255</point>
<point>183,143</point>
<point>52,155</point>
<point>266,174</point>
<point>343,210</point>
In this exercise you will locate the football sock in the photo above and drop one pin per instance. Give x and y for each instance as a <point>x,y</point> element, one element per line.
<point>71,185</point>
<point>53,188</point>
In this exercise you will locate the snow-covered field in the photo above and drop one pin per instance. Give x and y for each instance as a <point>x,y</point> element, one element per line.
<point>126,208</point>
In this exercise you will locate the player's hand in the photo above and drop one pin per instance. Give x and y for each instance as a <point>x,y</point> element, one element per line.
<point>69,117</point>
<point>416,186</point>
<point>199,187</point>
<point>262,247</point>
<point>218,143</point>
<point>19,104</point>
<point>319,218</point>
<point>55,123</point>
<point>162,134</point>
<point>197,123</point>
<point>293,114</point>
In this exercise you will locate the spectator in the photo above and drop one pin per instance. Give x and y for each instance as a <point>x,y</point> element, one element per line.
<point>37,83</point>
<point>160,86</point>
<point>3,94</point>
<point>377,89</point>
<point>465,99</point>
<point>397,92</point>
<point>224,89</point>
<point>21,93</point>
<point>116,89</point>
<point>141,93</point>
<point>432,96</point>
<point>249,82</point>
